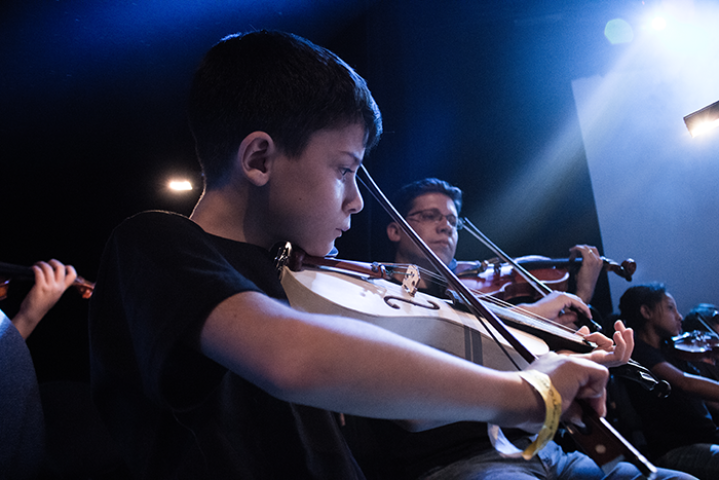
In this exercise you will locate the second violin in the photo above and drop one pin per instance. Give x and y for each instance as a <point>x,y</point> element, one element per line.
<point>503,281</point>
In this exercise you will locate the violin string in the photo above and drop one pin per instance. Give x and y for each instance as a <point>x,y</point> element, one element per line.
<point>527,313</point>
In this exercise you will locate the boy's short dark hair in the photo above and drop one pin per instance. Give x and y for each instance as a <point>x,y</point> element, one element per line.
<point>405,196</point>
<point>278,83</point>
<point>631,302</point>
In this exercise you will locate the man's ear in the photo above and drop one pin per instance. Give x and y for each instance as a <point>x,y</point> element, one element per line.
<point>254,157</point>
<point>394,232</point>
<point>645,311</point>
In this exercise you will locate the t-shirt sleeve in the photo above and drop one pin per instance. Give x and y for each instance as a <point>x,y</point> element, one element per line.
<point>165,275</point>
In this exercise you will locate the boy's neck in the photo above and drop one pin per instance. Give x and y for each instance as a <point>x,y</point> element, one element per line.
<point>221,214</point>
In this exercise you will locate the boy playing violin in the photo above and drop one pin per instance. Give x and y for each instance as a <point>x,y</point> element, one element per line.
<point>199,367</point>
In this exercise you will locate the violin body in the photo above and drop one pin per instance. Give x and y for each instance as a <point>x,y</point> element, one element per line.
<point>423,318</point>
<point>694,346</point>
<point>502,281</point>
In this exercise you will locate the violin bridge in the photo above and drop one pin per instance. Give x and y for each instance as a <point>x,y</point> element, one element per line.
<point>411,280</point>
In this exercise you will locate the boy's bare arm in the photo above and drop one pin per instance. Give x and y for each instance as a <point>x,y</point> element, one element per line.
<point>354,367</point>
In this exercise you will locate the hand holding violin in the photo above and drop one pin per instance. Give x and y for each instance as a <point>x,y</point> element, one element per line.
<point>51,280</point>
<point>588,274</point>
<point>559,307</point>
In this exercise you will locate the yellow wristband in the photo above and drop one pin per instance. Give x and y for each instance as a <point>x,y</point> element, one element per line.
<point>553,404</point>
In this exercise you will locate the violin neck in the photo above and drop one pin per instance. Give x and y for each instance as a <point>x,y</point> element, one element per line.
<point>16,271</point>
<point>550,263</point>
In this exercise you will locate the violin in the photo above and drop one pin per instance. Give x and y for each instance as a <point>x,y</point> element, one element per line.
<point>697,345</point>
<point>366,292</point>
<point>9,271</point>
<point>502,280</point>
<point>534,288</point>
<point>555,336</point>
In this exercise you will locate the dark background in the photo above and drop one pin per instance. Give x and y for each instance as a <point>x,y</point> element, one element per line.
<point>92,120</point>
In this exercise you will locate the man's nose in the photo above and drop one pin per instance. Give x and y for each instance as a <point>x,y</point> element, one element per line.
<point>444,225</point>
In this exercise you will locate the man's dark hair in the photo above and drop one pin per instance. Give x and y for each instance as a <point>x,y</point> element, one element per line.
<point>405,196</point>
<point>631,303</point>
<point>277,83</point>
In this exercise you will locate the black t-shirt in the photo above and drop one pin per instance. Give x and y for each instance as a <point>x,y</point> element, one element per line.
<point>176,413</point>
<point>679,419</point>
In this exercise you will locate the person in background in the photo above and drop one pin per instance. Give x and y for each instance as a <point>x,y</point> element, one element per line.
<point>703,317</point>
<point>679,429</point>
<point>422,204</point>
<point>703,320</point>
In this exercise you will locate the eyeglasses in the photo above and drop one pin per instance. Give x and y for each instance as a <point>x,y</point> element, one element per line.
<point>435,216</point>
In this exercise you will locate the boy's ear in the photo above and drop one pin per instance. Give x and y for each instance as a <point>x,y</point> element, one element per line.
<point>393,232</point>
<point>645,311</point>
<point>254,157</point>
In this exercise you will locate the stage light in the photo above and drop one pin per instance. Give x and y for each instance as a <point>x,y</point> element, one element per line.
<point>703,120</point>
<point>180,185</point>
<point>659,23</point>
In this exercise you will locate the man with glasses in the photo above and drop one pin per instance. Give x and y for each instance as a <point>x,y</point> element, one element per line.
<point>432,208</point>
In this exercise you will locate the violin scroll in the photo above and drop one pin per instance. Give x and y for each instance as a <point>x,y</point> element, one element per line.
<point>84,287</point>
<point>625,270</point>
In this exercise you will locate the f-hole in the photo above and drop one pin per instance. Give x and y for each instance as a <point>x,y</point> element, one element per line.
<point>430,305</point>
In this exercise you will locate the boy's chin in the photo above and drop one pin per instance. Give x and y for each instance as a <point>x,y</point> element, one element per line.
<point>321,251</point>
